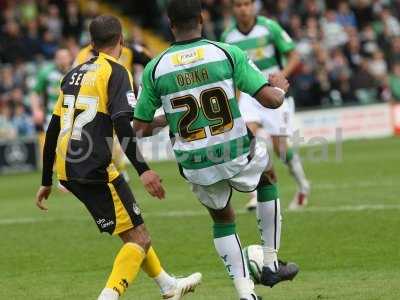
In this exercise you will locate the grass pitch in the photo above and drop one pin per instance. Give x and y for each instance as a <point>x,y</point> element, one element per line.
<point>346,242</point>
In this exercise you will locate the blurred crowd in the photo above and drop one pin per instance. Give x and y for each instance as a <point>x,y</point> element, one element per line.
<point>350,49</point>
<point>30,33</point>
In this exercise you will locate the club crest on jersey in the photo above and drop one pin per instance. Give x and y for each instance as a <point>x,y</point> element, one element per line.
<point>187,57</point>
<point>136,209</point>
<point>130,96</point>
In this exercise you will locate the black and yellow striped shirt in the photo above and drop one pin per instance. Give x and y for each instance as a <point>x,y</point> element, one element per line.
<point>92,95</point>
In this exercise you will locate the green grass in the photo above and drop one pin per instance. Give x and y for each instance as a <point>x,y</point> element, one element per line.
<point>344,253</point>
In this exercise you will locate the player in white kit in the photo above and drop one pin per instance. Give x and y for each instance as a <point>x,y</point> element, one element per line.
<point>272,50</point>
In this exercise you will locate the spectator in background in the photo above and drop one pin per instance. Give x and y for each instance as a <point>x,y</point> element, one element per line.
<point>394,82</point>
<point>54,23</point>
<point>32,39</point>
<point>394,54</point>
<point>378,66</point>
<point>369,41</point>
<point>7,130</point>
<point>72,21</point>
<point>390,22</point>
<point>334,33</point>
<point>13,48</point>
<point>22,122</point>
<point>352,51</point>
<point>345,16</point>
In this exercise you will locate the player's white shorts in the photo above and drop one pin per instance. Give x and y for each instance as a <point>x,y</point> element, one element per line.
<point>276,122</point>
<point>218,195</point>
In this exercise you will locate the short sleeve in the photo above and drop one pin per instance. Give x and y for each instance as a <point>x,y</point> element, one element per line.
<point>121,97</point>
<point>59,103</point>
<point>283,41</point>
<point>248,78</point>
<point>148,99</point>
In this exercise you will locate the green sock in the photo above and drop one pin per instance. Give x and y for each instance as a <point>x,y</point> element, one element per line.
<point>267,193</point>
<point>224,229</point>
<point>289,155</point>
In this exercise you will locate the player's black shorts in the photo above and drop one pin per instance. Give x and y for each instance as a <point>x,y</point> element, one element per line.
<point>112,205</point>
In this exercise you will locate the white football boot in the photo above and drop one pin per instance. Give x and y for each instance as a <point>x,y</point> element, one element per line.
<point>183,286</point>
<point>108,294</point>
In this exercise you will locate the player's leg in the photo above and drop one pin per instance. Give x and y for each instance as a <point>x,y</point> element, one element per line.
<point>269,223</point>
<point>116,213</point>
<point>127,262</point>
<point>226,240</point>
<point>171,288</point>
<point>292,160</point>
<point>278,123</point>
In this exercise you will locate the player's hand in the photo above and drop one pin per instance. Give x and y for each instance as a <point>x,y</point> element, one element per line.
<point>279,81</point>
<point>42,195</point>
<point>152,184</point>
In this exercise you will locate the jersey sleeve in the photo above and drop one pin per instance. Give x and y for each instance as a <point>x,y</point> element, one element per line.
<point>59,103</point>
<point>148,99</point>
<point>248,78</point>
<point>282,40</point>
<point>121,97</point>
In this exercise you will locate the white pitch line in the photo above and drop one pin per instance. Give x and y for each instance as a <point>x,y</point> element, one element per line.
<point>361,184</point>
<point>203,212</point>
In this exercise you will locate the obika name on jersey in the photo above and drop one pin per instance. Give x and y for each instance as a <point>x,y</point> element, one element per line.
<point>194,77</point>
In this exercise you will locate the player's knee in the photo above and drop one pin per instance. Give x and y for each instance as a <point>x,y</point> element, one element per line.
<point>137,235</point>
<point>225,215</point>
<point>145,242</point>
<point>268,177</point>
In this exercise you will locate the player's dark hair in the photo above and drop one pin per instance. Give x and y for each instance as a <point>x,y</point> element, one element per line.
<point>105,31</point>
<point>184,14</point>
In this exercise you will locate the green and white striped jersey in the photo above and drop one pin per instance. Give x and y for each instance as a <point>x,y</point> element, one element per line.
<point>195,82</point>
<point>266,43</point>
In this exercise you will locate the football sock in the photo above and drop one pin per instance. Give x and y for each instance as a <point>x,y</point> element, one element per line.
<point>126,267</point>
<point>152,266</point>
<point>295,166</point>
<point>228,246</point>
<point>269,223</point>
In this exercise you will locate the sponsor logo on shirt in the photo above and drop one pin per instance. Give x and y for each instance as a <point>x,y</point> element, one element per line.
<point>188,57</point>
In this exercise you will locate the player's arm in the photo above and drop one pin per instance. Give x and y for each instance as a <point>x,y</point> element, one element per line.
<point>145,129</point>
<point>120,98</point>
<point>148,102</point>
<point>286,47</point>
<point>49,155</point>
<point>249,79</point>
<point>273,94</point>
<point>293,61</point>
